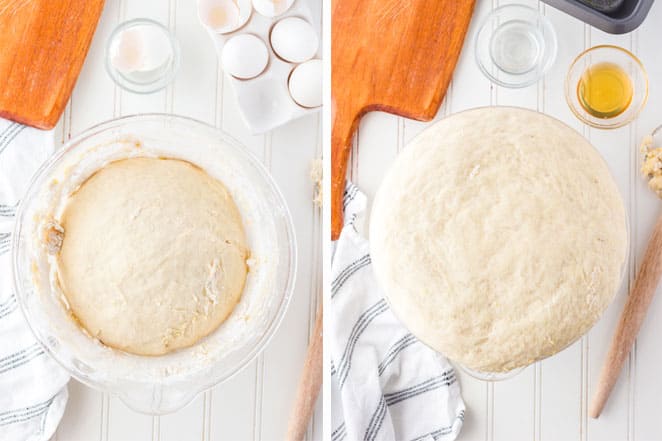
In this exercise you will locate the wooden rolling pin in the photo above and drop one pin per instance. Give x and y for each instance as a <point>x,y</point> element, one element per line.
<point>309,385</point>
<point>631,319</point>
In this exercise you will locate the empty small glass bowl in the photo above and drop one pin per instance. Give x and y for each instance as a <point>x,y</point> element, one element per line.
<point>613,56</point>
<point>515,46</point>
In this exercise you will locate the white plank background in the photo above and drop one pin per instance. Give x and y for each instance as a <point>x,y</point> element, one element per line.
<point>548,401</point>
<point>255,404</point>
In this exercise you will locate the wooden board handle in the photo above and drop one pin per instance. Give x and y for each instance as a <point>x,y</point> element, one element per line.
<point>43,44</point>
<point>631,319</point>
<point>309,385</point>
<point>345,122</point>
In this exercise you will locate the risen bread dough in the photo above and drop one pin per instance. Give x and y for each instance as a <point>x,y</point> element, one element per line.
<point>153,256</point>
<point>499,237</point>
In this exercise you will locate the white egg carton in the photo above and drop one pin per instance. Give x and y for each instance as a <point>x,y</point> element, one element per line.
<point>265,101</point>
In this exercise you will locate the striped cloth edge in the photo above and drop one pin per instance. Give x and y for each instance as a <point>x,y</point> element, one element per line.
<point>386,384</point>
<point>33,391</point>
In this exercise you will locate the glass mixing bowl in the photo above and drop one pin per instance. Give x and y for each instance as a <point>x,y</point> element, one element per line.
<point>622,285</point>
<point>157,384</point>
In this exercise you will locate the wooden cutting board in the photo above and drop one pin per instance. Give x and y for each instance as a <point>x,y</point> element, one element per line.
<point>390,55</point>
<point>43,44</point>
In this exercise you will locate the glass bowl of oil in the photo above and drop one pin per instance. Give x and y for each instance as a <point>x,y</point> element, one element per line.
<point>606,87</point>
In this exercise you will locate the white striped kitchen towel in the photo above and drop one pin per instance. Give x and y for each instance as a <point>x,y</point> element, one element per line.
<point>385,384</point>
<point>33,387</point>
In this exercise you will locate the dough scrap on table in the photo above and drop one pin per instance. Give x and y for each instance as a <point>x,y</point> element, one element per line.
<point>652,165</point>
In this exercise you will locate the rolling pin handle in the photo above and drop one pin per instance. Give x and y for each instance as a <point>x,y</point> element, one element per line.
<point>632,318</point>
<point>309,385</point>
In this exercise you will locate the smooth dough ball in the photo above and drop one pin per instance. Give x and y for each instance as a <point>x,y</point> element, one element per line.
<point>499,237</point>
<point>153,256</point>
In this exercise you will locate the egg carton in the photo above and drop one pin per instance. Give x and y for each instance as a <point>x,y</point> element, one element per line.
<point>265,101</point>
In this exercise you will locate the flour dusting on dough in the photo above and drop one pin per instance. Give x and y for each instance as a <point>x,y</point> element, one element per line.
<point>504,264</point>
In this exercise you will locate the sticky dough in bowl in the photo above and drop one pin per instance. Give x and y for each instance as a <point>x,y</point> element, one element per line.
<point>158,384</point>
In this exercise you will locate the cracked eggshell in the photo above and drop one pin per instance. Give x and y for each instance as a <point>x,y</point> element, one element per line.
<point>245,56</point>
<point>224,16</point>
<point>272,8</point>
<point>140,48</point>
<point>305,84</point>
<point>126,51</point>
<point>294,40</point>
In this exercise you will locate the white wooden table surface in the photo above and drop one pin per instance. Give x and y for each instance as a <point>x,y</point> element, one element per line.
<point>255,404</point>
<point>548,401</point>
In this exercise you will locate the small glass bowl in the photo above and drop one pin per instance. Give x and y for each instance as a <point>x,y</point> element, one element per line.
<point>515,46</point>
<point>623,59</point>
<point>144,82</point>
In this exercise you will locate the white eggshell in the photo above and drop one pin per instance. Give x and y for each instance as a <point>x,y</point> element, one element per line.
<point>127,51</point>
<point>294,40</point>
<point>224,16</point>
<point>140,48</point>
<point>244,56</point>
<point>158,49</point>
<point>272,8</point>
<point>306,84</point>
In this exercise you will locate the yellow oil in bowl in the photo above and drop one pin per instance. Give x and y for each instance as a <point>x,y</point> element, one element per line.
<point>605,90</point>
